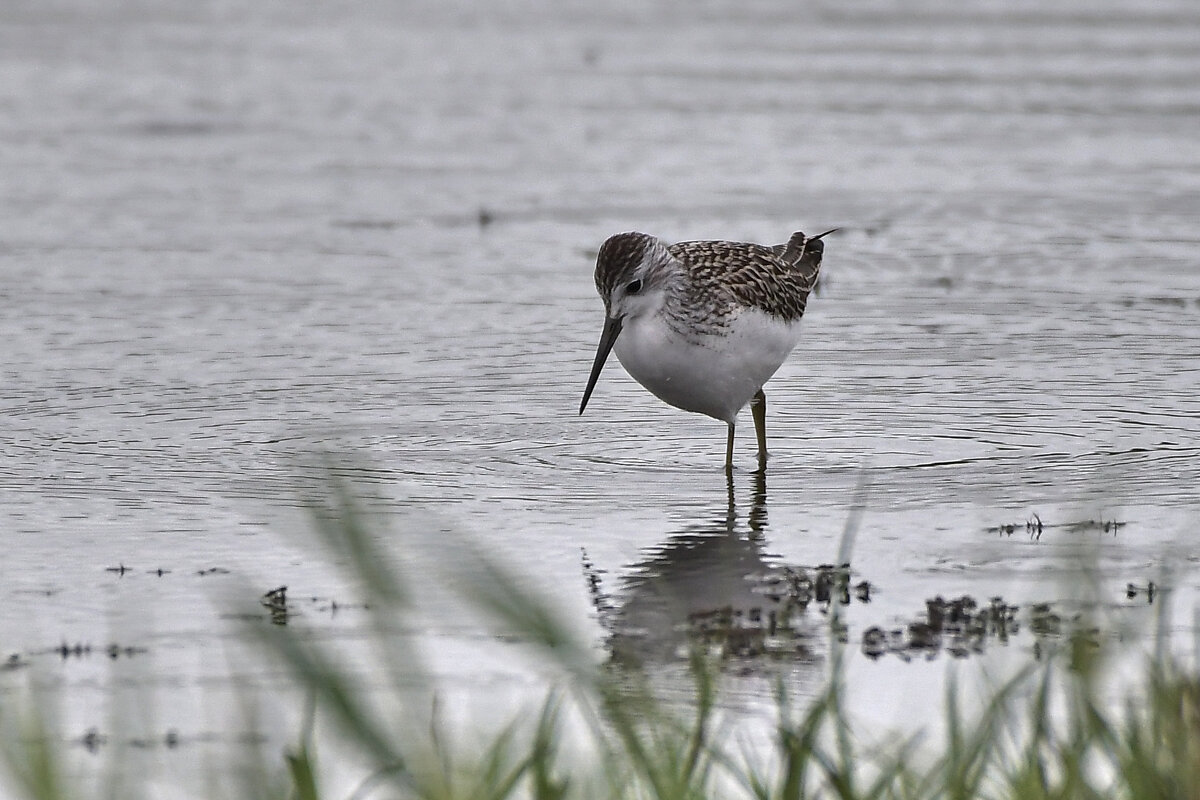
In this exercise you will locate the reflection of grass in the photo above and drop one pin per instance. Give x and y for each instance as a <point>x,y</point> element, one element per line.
<point>1045,734</point>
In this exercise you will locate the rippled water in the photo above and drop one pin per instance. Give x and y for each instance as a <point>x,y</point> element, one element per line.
<point>237,234</point>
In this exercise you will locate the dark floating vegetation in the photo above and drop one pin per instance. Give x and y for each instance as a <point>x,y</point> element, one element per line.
<point>964,626</point>
<point>1034,526</point>
<point>94,741</point>
<point>1132,591</point>
<point>960,627</point>
<point>772,621</point>
<point>122,569</point>
<point>275,602</point>
<point>81,650</point>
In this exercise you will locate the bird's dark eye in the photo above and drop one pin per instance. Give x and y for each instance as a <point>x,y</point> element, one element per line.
<point>633,287</point>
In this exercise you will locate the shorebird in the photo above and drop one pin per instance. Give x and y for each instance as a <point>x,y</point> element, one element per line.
<point>703,325</point>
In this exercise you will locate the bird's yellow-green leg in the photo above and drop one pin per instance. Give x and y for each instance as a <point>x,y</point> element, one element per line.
<point>729,450</point>
<point>758,409</point>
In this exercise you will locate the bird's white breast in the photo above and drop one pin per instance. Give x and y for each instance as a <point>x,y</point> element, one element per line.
<point>715,374</point>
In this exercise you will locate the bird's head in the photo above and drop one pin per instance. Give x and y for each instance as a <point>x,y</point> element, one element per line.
<point>632,273</point>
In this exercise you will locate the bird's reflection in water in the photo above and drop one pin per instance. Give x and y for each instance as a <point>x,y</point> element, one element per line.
<point>713,585</point>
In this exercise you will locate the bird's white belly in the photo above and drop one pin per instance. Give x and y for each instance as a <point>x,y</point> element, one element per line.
<point>716,375</point>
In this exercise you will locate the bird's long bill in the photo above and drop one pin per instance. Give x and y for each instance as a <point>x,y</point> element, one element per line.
<point>826,233</point>
<point>608,337</point>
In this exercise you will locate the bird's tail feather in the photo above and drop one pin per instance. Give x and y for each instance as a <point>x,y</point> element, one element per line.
<point>804,253</point>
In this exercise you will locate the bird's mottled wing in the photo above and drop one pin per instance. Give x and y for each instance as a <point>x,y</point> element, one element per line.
<point>753,275</point>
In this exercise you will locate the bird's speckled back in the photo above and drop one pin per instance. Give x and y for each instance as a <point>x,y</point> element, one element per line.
<point>776,279</point>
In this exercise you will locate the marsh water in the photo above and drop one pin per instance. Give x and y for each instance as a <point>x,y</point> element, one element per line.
<point>239,238</point>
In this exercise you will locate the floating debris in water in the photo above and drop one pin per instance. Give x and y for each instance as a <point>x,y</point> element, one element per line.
<point>963,627</point>
<point>333,606</point>
<point>1096,525</point>
<point>116,651</point>
<point>276,602</point>
<point>802,586</point>
<point>170,740</point>
<point>1150,589</point>
<point>80,650</point>
<point>959,627</point>
<point>1034,526</point>
<point>93,740</point>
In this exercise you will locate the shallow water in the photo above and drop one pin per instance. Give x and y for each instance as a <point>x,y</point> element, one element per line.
<point>237,235</point>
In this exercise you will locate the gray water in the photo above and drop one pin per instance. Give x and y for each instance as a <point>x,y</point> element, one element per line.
<point>236,234</point>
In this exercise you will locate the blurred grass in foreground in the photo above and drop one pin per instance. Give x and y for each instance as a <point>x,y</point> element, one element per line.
<point>1047,733</point>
